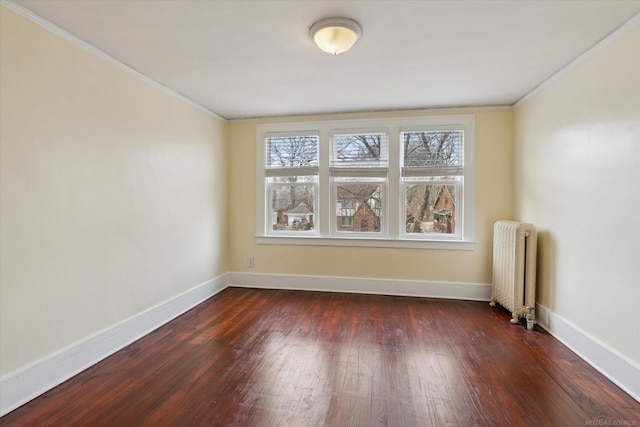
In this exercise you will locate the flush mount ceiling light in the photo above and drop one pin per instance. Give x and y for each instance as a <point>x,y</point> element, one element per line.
<point>335,35</point>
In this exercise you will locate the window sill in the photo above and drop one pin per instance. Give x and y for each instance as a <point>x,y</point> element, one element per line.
<point>368,242</point>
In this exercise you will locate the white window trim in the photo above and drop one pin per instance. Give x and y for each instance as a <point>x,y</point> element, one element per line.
<point>395,237</point>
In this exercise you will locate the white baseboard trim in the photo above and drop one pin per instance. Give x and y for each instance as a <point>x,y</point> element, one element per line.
<point>619,369</point>
<point>17,388</point>
<point>363,285</point>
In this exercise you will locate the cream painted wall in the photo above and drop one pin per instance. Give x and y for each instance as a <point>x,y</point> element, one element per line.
<point>113,194</point>
<point>493,200</point>
<point>578,180</point>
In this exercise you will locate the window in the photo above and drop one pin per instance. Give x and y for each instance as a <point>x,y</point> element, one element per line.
<point>400,182</point>
<point>359,163</point>
<point>291,173</point>
<point>432,176</point>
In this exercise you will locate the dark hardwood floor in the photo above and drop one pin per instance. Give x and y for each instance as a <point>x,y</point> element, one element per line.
<point>249,357</point>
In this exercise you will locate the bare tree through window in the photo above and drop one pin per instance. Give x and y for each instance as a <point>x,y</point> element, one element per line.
<point>431,207</point>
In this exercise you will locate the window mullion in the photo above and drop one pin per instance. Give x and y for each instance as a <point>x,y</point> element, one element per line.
<point>393,222</point>
<point>324,182</point>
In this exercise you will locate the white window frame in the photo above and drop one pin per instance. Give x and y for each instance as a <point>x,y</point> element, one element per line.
<point>424,172</point>
<point>394,234</point>
<point>343,173</point>
<point>284,172</point>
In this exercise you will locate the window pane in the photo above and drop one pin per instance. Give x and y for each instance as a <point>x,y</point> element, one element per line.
<point>366,150</point>
<point>358,206</point>
<point>293,207</point>
<point>430,208</point>
<point>292,151</point>
<point>433,148</point>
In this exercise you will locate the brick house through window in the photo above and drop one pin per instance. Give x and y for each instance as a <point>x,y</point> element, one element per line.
<point>364,218</point>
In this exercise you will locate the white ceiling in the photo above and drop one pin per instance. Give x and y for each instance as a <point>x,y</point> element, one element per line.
<point>244,59</point>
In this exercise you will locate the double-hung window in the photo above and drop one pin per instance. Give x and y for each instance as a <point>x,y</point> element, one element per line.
<point>432,182</point>
<point>359,169</point>
<point>399,182</point>
<point>291,178</point>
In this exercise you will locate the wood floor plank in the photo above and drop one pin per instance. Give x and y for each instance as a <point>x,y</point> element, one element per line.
<point>249,357</point>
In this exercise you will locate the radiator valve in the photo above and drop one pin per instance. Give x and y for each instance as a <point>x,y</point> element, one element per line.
<point>531,317</point>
